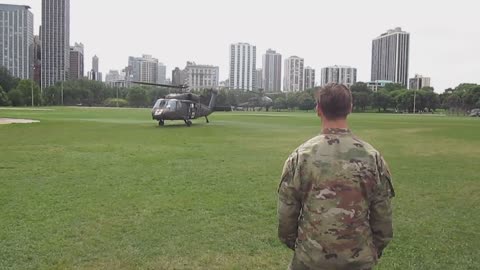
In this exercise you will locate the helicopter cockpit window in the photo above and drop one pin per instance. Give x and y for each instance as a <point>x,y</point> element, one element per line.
<point>160,103</point>
<point>171,104</point>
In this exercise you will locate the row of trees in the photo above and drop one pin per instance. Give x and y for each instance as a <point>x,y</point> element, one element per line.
<point>393,97</point>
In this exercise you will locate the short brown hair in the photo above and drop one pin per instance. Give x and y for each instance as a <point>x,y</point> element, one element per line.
<point>335,101</point>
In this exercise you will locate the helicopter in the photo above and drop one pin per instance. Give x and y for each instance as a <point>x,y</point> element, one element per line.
<point>180,106</point>
<point>260,101</point>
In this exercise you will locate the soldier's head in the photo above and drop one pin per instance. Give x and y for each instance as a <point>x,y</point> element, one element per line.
<point>334,102</point>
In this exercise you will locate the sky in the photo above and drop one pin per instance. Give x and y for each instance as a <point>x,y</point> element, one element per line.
<point>445,35</point>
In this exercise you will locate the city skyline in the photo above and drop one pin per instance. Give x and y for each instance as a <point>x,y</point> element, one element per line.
<point>438,46</point>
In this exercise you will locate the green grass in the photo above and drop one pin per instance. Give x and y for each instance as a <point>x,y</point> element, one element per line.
<point>107,189</point>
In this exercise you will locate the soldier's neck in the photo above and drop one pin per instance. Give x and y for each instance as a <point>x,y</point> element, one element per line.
<point>334,124</point>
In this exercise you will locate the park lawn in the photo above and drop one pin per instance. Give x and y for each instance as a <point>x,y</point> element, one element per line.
<point>91,188</point>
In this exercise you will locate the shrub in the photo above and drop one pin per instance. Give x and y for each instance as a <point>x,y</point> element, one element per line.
<point>116,102</point>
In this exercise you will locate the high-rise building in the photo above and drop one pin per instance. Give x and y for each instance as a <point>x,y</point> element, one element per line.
<point>243,61</point>
<point>339,74</point>
<point>272,71</point>
<point>309,78</point>
<point>95,63</point>
<point>55,38</point>
<point>114,78</point>
<point>390,56</point>
<point>95,74</point>
<point>179,77</point>
<point>76,62</point>
<point>259,78</point>
<point>144,69</point>
<point>16,40</point>
<point>162,73</point>
<point>37,60</point>
<point>200,77</point>
<point>419,82</point>
<point>294,74</point>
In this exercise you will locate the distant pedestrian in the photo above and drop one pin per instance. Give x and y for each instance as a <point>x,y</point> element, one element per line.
<point>334,196</point>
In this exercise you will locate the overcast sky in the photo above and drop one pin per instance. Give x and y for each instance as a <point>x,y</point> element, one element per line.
<point>445,35</point>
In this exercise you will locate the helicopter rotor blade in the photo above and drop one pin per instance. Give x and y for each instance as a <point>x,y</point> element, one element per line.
<point>163,85</point>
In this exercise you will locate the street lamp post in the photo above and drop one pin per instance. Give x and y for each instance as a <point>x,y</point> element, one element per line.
<point>32,93</point>
<point>62,93</point>
<point>415,101</point>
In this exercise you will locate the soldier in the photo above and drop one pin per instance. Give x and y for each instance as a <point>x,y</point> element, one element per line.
<point>334,196</point>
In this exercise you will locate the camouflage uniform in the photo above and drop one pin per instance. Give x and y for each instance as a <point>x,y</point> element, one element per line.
<point>334,203</point>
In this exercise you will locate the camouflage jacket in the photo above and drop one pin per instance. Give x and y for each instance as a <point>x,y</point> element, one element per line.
<point>334,203</point>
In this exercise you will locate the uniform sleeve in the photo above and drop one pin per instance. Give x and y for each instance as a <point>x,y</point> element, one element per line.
<point>381,209</point>
<point>289,204</point>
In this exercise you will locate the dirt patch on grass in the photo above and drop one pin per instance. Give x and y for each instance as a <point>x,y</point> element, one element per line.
<point>6,121</point>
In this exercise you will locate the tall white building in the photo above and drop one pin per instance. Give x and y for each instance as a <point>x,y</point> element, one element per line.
<point>272,71</point>
<point>200,77</point>
<point>55,37</point>
<point>16,40</point>
<point>309,78</point>
<point>294,74</point>
<point>390,56</point>
<point>162,73</point>
<point>243,59</point>
<point>419,82</point>
<point>339,74</point>
<point>143,69</point>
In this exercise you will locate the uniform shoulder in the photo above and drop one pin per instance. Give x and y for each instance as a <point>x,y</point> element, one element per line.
<point>367,146</point>
<point>314,142</point>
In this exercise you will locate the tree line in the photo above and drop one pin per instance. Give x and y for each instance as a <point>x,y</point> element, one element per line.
<point>391,98</point>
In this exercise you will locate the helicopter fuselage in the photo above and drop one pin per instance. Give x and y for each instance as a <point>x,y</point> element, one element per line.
<point>174,109</point>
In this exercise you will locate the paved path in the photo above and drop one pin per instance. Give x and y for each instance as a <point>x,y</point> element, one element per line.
<point>4,121</point>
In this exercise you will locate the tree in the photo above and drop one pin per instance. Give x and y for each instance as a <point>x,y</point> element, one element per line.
<point>306,102</point>
<point>4,101</point>
<point>7,81</point>
<point>428,89</point>
<point>16,98</point>
<point>137,97</point>
<point>360,87</point>
<point>26,87</point>
<point>389,87</point>
<point>429,100</point>
<point>471,98</point>
<point>231,98</point>
<point>280,103</point>
<point>292,101</point>
<point>361,100</point>
<point>382,100</point>
<point>463,87</point>
<point>453,103</point>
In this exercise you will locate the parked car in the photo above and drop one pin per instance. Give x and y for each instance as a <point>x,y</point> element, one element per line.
<point>475,113</point>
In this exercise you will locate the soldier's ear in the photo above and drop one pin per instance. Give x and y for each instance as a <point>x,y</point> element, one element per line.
<point>319,110</point>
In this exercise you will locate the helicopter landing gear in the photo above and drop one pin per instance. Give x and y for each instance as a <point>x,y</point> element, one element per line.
<point>161,123</point>
<point>206,118</point>
<point>188,123</point>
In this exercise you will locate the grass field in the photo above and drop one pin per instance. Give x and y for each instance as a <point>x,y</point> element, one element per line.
<point>108,189</point>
